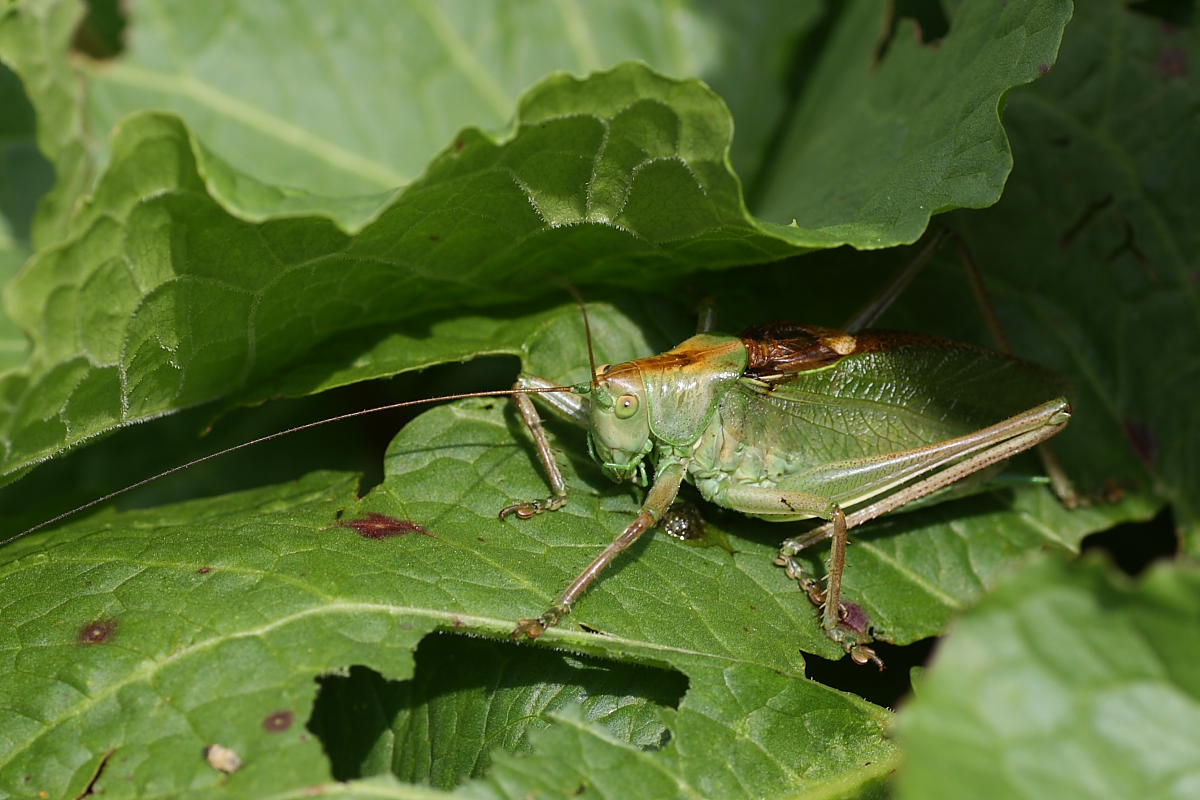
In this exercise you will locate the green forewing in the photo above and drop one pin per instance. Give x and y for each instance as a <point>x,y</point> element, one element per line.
<point>899,394</point>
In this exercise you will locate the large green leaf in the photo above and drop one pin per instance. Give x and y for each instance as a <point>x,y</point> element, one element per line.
<point>1068,682</point>
<point>164,300</point>
<point>313,101</point>
<point>184,605</point>
<point>221,69</point>
<point>399,79</point>
<point>1090,253</point>
<point>913,135</point>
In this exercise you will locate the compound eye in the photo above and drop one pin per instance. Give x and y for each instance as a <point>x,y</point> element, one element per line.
<point>627,406</point>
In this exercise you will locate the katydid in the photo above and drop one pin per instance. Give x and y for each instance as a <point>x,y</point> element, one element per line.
<point>789,422</point>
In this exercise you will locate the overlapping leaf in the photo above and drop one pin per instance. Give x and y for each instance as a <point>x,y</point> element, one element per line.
<point>334,105</point>
<point>1067,682</point>
<point>906,143</point>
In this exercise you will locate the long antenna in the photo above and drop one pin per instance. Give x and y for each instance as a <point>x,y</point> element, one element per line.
<point>277,435</point>
<point>587,330</point>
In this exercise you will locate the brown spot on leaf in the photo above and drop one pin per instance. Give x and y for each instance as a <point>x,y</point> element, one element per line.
<point>459,145</point>
<point>434,238</point>
<point>278,722</point>
<point>204,570</point>
<point>97,631</point>
<point>380,526</point>
<point>1043,69</point>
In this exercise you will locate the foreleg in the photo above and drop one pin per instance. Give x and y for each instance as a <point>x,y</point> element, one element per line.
<point>666,485</point>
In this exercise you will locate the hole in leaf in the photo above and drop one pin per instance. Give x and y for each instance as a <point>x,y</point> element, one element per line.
<point>927,15</point>
<point>101,32</point>
<point>471,696</point>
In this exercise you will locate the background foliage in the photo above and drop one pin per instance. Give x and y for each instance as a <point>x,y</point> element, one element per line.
<point>221,204</point>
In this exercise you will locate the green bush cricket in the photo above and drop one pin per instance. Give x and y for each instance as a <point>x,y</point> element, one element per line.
<point>789,422</point>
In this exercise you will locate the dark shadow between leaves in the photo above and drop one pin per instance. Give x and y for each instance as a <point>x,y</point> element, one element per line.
<point>886,688</point>
<point>25,173</point>
<point>101,32</point>
<point>350,346</point>
<point>470,696</point>
<point>1136,545</point>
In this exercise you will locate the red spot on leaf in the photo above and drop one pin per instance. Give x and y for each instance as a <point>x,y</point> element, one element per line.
<point>1043,69</point>
<point>380,526</point>
<point>98,631</point>
<point>278,722</point>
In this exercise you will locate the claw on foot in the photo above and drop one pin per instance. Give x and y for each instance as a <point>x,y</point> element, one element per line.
<point>862,655</point>
<point>529,628</point>
<point>533,507</point>
<point>795,571</point>
<point>533,628</point>
<point>522,510</point>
